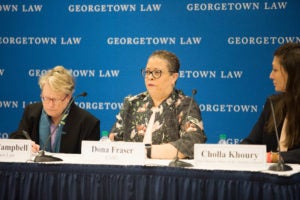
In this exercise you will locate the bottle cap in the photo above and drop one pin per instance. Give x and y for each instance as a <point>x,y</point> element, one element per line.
<point>222,136</point>
<point>104,133</point>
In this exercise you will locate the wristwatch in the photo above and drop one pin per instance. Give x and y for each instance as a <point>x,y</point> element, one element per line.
<point>148,148</point>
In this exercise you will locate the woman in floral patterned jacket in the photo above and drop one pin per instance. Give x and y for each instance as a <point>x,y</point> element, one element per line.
<point>161,117</point>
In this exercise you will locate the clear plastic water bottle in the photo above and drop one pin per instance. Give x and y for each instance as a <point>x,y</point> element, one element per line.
<point>222,139</point>
<point>104,137</point>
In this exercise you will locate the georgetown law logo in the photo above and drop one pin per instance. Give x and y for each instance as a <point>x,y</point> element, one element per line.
<point>88,73</point>
<point>29,40</point>
<point>211,74</point>
<point>2,72</point>
<point>94,105</point>
<point>267,40</point>
<point>14,104</point>
<point>3,135</point>
<point>166,40</point>
<point>8,104</point>
<point>229,108</point>
<point>236,6</point>
<point>116,8</point>
<point>28,8</point>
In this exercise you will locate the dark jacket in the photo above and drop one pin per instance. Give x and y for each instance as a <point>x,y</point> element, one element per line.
<point>80,125</point>
<point>259,136</point>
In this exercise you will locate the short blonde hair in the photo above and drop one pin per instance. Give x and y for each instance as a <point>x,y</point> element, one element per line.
<point>59,80</point>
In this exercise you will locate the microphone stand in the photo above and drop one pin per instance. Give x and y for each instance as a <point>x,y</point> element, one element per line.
<point>42,157</point>
<point>176,162</point>
<point>179,163</point>
<point>280,165</point>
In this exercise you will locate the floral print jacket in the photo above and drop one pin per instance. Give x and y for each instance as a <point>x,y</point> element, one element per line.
<point>171,125</point>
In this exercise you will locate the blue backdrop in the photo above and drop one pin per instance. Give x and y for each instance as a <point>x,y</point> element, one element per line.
<point>225,48</point>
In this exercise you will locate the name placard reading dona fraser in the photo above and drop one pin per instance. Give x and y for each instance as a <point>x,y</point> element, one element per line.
<point>230,156</point>
<point>15,150</point>
<point>115,153</point>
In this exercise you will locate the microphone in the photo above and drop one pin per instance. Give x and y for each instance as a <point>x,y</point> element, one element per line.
<point>176,162</point>
<point>42,157</point>
<point>279,166</point>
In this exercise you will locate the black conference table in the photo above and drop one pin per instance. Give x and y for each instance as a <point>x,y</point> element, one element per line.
<point>94,181</point>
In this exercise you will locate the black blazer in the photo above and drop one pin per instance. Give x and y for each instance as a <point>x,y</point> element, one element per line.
<point>259,136</point>
<point>80,125</point>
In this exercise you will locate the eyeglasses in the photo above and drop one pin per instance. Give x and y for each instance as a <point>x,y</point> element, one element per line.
<point>155,73</point>
<point>53,100</point>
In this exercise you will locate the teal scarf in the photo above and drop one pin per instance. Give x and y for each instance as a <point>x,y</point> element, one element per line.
<point>45,133</point>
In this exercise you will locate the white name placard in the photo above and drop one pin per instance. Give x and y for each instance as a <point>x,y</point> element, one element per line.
<point>15,150</point>
<point>115,153</point>
<point>228,156</point>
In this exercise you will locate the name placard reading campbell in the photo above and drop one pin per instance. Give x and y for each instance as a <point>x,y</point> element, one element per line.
<point>15,150</point>
<point>230,156</point>
<point>118,153</point>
